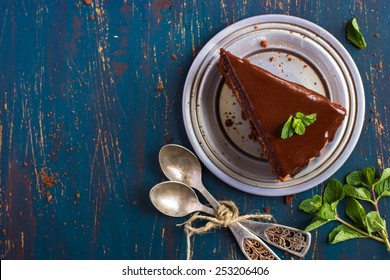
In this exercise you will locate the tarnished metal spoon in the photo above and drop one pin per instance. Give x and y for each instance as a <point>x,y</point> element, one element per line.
<point>177,200</point>
<point>180,164</point>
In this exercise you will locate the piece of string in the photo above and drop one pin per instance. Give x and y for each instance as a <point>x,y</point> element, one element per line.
<point>226,215</point>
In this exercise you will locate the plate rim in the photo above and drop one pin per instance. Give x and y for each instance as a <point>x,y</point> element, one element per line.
<point>350,66</point>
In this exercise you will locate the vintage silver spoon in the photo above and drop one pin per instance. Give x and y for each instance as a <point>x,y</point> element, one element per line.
<point>177,200</point>
<point>180,164</point>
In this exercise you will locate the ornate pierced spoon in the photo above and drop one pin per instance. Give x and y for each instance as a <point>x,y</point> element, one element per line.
<point>180,164</point>
<point>177,200</point>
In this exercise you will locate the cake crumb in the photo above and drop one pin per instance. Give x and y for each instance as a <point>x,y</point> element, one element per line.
<point>264,43</point>
<point>4,231</point>
<point>77,195</point>
<point>377,35</point>
<point>91,17</point>
<point>87,2</point>
<point>174,56</point>
<point>266,209</point>
<point>272,58</point>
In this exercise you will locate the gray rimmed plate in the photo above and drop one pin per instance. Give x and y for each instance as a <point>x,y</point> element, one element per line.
<point>296,50</point>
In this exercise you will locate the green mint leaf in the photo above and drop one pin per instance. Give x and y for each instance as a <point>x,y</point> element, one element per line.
<point>385,175</point>
<point>308,119</point>
<point>374,222</point>
<point>315,223</point>
<point>297,124</point>
<point>287,130</point>
<point>299,127</point>
<point>327,212</point>
<point>359,193</point>
<point>355,178</point>
<point>354,35</point>
<point>343,233</point>
<point>356,212</point>
<point>369,175</point>
<point>382,186</point>
<point>311,205</point>
<point>334,192</point>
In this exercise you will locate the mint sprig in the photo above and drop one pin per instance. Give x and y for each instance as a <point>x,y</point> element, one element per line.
<point>297,124</point>
<point>361,185</point>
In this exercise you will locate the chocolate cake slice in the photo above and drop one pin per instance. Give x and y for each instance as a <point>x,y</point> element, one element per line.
<point>269,101</point>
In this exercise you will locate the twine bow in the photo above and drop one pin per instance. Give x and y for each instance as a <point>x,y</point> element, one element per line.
<point>226,215</point>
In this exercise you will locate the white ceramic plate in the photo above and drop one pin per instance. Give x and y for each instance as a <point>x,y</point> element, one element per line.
<point>297,50</point>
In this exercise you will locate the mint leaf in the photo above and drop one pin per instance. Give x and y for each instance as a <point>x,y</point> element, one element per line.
<point>299,127</point>
<point>369,175</point>
<point>354,35</point>
<point>383,188</point>
<point>297,124</point>
<point>306,120</point>
<point>356,212</point>
<point>327,212</point>
<point>355,178</point>
<point>311,205</point>
<point>315,223</point>
<point>374,222</point>
<point>359,193</point>
<point>334,192</point>
<point>287,130</point>
<point>385,176</point>
<point>342,233</point>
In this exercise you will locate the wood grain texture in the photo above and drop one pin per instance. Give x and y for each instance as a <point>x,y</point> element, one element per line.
<point>90,93</point>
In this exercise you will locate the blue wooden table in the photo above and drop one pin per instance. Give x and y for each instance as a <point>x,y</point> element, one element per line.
<point>89,93</point>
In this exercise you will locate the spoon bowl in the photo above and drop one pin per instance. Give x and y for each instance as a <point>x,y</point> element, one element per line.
<point>176,199</point>
<point>180,164</point>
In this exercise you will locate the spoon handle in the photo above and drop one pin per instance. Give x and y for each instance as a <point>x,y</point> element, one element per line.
<point>252,246</point>
<point>292,240</point>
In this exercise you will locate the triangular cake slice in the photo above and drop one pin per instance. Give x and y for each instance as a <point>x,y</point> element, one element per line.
<point>268,101</point>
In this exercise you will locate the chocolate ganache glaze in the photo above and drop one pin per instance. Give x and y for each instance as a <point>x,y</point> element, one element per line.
<point>268,101</point>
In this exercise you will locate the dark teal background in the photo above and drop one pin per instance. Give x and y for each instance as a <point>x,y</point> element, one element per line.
<point>78,100</point>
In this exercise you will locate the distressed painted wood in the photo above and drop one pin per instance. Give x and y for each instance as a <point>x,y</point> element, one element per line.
<point>90,93</point>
